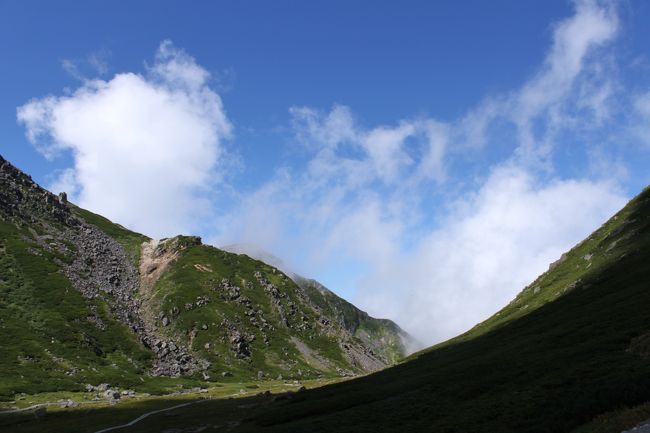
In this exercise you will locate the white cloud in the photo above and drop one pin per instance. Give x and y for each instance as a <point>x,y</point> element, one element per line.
<point>412,150</point>
<point>145,147</point>
<point>488,248</point>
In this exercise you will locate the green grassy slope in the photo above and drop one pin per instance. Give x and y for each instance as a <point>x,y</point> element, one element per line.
<point>384,336</point>
<point>45,340</point>
<point>268,323</point>
<point>53,338</point>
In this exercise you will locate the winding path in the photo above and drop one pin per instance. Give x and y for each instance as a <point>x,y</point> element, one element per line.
<point>153,412</point>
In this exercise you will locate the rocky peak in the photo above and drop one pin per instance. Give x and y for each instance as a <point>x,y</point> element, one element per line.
<point>22,198</point>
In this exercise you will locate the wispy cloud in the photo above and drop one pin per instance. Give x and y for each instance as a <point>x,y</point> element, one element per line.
<point>96,63</point>
<point>574,80</point>
<point>641,106</point>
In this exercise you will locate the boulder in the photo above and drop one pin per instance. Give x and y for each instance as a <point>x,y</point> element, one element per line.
<point>112,394</point>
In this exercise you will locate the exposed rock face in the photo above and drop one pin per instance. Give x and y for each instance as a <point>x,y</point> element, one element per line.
<point>102,269</point>
<point>22,199</point>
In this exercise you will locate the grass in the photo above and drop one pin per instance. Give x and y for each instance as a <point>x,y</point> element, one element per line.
<point>569,354</point>
<point>198,272</point>
<point>618,420</point>
<point>359,323</point>
<point>47,345</point>
<point>46,342</point>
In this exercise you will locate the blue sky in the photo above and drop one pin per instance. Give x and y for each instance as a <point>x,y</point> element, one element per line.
<point>425,160</point>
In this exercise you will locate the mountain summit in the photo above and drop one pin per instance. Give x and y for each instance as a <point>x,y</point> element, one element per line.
<point>86,301</point>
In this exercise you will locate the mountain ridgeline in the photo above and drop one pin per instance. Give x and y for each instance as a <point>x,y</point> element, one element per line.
<point>86,301</point>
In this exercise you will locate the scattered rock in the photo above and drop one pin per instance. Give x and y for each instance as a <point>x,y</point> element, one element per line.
<point>112,395</point>
<point>556,263</point>
<point>68,403</point>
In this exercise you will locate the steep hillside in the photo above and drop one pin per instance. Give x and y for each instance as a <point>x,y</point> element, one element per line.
<point>576,354</point>
<point>580,268</point>
<point>55,332</point>
<point>86,301</point>
<point>384,336</point>
<point>244,316</point>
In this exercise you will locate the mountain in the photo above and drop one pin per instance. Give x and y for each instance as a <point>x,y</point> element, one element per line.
<point>86,301</point>
<point>571,353</point>
<point>383,336</point>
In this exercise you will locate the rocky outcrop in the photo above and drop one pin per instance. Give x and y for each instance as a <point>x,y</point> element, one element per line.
<point>22,200</point>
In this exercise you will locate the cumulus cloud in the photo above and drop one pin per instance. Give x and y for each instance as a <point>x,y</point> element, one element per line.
<point>145,147</point>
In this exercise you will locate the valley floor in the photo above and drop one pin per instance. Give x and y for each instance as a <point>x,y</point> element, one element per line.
<point>78,412</point>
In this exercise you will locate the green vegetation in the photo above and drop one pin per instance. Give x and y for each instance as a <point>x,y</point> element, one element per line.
<point>46,341</point>
<point>382,335</point>
<point>269,323</point>
<point>571,353</point>
<point>618,420</point>
<point>551,368</point>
